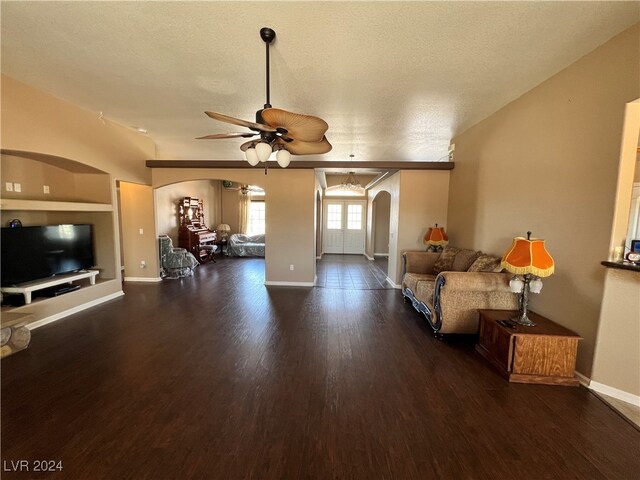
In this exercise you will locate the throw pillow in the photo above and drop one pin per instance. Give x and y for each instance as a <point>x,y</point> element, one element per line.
<point>445,261</point>
<point>464,259</point>
<point>485,263</point>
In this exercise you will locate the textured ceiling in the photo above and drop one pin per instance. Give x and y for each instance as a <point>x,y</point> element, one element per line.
<point>394,80</point>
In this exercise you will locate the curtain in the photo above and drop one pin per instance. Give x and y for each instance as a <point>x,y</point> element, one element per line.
<point>244,211</point>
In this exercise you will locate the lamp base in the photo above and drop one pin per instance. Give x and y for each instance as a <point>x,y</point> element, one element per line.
<point>523,319</point>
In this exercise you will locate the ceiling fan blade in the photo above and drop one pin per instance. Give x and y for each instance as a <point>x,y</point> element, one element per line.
<point>243,123</point>
<point>227,135</point>
<point>298,147</point>
<point>305,128</point>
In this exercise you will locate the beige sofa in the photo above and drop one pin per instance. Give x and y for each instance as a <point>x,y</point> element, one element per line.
<point>449,287</point>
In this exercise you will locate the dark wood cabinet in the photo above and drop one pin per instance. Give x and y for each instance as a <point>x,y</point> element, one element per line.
<point>193,234</point>
<point>544,353</point>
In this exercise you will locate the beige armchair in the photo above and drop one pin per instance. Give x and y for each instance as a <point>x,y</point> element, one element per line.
<point>449,291</point>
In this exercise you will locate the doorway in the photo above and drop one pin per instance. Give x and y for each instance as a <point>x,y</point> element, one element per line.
<point>381,216</point>
<point>344,226</point>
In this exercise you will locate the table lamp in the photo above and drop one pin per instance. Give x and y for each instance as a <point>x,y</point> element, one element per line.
<point>435,238</point>
<point>528,260</point>
<point>224,229</point>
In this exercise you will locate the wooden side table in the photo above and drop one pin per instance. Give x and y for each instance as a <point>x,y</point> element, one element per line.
<point>545,353</point>
<point>222,244</point>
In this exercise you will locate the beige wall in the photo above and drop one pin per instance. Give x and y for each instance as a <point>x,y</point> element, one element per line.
<point>617,356</point>
<point>626,173</point>
<point>64,185</point>
<point>418,200</point>
<point>230,207</point>
<point>38,123</point>
<point>390,185</point>
<point>33,121</point>
<point>136,201</point>
<point>548,163</point>
<point>289,209</point>
<point>167,199</point>
<point>616,361</point>
<point>423,203</point>
<point>318,216</point>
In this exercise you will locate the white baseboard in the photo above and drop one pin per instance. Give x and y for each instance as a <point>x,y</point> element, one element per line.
<point>368,257</point>
<point>615,393</point>
<point>583,379</point>
<point>390,282</point>
<point>142,279</point>
<point>71,311</point>
<point>381,255</point>
<point>289,284</point>
<point>319,257</point>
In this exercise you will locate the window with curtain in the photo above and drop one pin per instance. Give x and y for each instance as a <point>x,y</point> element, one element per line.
<point>256,218</point>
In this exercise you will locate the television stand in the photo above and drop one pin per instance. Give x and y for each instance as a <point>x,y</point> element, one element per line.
<point>28,288</point>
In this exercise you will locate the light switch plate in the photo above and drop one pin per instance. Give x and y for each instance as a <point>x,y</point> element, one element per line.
<point>17,187</point>
<point>8,186</point>
<point>45,188</point>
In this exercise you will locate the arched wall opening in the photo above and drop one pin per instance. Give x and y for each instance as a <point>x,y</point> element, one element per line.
<point>289,215</point>
<point>380,228</point>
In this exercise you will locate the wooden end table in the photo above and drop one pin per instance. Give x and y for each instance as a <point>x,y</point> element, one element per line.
<point>544,353</point>
<point>222,244</point>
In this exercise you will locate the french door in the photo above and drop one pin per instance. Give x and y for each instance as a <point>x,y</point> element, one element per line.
<point>344,226</point>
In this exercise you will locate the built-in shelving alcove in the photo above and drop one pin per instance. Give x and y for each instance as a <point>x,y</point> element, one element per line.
<point>55,190</point>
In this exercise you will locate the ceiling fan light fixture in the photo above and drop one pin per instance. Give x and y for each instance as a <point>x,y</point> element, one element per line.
<point>283,157</point>
<point>263,150</point>
<point>252,157</point>
<point>303,134</point>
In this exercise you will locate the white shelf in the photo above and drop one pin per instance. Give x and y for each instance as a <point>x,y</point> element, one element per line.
<point>28,288</point>
<point>53,206</point>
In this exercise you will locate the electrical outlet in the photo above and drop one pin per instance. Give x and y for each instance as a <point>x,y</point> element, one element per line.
<point>141,231</point>
<point>291,267</point>
<point>45,189</point>
<point>8,187</point>
<point>143,264</point>
<point>17,187</point>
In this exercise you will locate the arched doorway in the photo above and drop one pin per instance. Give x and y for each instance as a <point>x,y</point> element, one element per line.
<point>381,217</point>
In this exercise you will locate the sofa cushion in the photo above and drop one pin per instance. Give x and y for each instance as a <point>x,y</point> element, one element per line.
<point>445,261</point>
<point>485,263</point>
<point>411,280</point>
<point>464,259</point>
<point>424,291</point>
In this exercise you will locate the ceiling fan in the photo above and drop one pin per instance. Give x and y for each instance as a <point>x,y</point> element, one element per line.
<point>243,189</point>
<point>285,132</point>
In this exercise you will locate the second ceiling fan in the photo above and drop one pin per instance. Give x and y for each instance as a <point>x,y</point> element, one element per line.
<point>285,132</point>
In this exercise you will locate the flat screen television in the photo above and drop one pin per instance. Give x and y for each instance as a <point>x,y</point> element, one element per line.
<point>39,252</point>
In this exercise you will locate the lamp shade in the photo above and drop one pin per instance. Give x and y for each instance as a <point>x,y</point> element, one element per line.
<point>264,151</point>
<point>528,256</point>
<point>252,157</point>
<point>435,236</point>
<point>283,157</point>
<point>223,227</point>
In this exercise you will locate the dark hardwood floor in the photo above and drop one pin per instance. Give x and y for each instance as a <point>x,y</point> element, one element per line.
<point>352,272</point>
<point>217,377</point>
